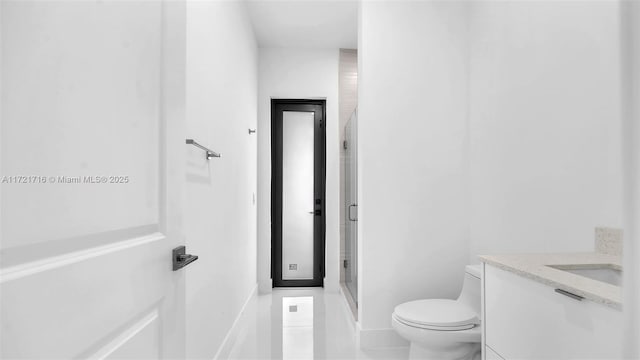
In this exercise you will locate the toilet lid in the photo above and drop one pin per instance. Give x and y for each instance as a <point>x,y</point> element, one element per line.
<point>437,313</point>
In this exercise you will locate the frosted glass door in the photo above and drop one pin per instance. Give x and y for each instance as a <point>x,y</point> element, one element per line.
<point>297,195</point>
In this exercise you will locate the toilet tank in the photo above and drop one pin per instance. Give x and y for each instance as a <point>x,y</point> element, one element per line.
<point>470,294</point>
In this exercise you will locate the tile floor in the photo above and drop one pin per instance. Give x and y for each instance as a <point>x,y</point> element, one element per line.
<point>302,323</point>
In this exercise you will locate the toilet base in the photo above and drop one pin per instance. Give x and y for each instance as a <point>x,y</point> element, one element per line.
<point>440,345</point>
<point>456,351</point>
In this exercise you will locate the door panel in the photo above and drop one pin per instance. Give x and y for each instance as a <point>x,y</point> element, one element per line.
<point>88,206</point>
<point>81,98</point>
<point>135,342</point>
<point>297,195</point>
<point>351,211</point>
<point>298,192</point>
<point>57,308</point>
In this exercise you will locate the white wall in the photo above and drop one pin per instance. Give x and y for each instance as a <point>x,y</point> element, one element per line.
<point>545,122</point>
<point>220,217</point>
<point>413,223</point>
<point>630,13</point>
<point>298,74</point>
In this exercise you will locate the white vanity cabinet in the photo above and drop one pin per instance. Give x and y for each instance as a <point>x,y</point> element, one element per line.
<point>525,319</point>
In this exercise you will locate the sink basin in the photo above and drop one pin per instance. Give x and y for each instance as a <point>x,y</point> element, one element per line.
<point>601,272</point>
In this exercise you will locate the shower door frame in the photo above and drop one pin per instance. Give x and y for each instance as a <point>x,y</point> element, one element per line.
<point>278,106</point>
<point>351,201</point>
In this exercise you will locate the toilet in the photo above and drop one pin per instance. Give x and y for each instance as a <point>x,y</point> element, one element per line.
<point>443,328</point>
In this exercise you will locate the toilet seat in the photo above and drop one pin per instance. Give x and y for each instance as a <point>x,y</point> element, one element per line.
<point>436,314</point>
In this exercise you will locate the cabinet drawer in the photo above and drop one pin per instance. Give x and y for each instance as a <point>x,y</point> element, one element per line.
<point>525,319</point>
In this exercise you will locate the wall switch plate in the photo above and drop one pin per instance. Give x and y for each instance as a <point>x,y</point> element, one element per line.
<point>293,266</point>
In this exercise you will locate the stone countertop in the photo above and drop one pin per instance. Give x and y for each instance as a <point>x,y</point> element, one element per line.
<point>535,267</point>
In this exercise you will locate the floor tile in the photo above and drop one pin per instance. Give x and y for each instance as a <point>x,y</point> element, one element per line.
<point>306,323</point>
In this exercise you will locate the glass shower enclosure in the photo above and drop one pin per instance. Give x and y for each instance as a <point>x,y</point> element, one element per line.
<point>351,206</point>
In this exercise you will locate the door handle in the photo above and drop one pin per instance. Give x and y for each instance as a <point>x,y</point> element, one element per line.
<point>181,258</point>
<point>349,215</point>
<point>311,212</point>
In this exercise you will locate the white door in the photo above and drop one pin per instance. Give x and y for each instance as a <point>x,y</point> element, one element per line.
<point>92,149</point>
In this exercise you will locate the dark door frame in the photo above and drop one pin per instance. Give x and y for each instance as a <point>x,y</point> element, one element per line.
<point>278,106</point>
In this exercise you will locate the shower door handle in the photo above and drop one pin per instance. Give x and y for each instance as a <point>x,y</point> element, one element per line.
<point>349,215</point>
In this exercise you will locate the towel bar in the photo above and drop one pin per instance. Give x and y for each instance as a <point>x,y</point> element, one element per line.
<point>210,153</point>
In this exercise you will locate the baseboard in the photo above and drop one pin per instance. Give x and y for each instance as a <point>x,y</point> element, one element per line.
<point>225,349</point>
<point>350,305</point>
<point>381,338</point>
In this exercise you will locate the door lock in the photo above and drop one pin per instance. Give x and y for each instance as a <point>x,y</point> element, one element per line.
<point>181,258</point>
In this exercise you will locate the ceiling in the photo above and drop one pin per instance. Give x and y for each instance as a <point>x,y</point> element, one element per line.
<point>305,23</point>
